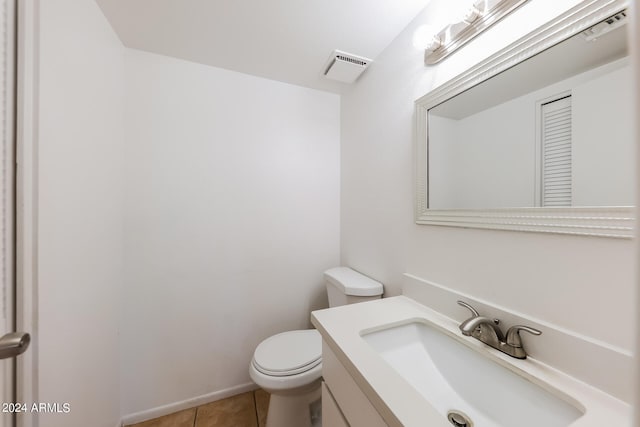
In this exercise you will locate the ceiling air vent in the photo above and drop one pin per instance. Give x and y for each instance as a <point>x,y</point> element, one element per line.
<point>345,67</point>
<point>609,24</point>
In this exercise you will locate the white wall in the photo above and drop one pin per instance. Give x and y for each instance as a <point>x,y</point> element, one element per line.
<point>442,188</point>
<point>485,168</point>
<point>80,213</point>
<point>232,215</point>
<point>585,285</point>
<point>604,146</point>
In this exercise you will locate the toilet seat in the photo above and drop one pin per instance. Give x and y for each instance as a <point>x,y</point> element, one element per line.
<point>288,353</point>
<point>288,362</point>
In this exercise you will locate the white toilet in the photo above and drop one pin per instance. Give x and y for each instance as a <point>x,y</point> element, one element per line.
<point>289,365</point>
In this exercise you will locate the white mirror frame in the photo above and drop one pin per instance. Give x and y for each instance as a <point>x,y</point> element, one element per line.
<point>608,221</point>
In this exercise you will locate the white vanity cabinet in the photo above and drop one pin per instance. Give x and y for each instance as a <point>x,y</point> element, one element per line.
<point>343,403</point>
<point>331,413</point>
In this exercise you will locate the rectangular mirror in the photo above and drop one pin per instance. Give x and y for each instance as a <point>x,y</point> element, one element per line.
<point>539,137</point>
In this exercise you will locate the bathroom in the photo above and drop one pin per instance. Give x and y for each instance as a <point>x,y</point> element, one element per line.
<point>178,203</point>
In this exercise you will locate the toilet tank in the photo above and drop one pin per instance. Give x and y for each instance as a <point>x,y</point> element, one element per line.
<point>347,286</point>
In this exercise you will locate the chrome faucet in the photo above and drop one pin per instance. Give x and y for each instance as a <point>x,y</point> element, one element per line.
<point>488,331</point>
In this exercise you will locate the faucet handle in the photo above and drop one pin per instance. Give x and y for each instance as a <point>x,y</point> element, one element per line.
<point>513,334</point>
<point>465,305</point>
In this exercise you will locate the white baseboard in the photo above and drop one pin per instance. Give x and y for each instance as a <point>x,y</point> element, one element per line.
<point>160,411</point>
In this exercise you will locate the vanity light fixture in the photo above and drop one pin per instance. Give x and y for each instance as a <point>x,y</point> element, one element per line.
<point>471,15</point>
<point>433,43</point>
<point>480,16</point>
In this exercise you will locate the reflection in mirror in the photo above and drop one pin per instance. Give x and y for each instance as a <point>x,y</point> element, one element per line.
<point>552,131</point>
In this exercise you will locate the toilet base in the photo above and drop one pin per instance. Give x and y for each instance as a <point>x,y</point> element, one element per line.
<point>296,409</point>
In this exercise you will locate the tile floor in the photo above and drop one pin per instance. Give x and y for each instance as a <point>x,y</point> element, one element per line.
<point>244,410</point>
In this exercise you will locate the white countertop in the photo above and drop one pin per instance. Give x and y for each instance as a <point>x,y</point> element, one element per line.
<point>400,404</point>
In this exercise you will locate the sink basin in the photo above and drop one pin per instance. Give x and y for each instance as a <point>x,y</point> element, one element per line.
<point>456,378</point>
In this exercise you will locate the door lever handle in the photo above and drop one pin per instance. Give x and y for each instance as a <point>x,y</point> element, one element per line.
<point>14,344</point>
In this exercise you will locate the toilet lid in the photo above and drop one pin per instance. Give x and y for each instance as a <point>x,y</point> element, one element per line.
<point>289,353</point>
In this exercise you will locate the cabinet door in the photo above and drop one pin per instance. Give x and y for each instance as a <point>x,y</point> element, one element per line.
<point>352,402</point>
<point>331,414</point>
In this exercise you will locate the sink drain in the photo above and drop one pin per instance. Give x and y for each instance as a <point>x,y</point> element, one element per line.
<point>458,419</point>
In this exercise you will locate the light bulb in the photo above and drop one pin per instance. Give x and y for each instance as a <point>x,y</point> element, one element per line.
<point>458,9</point>
<point>433,44</point>
<point>471,15</point>
<point>425,37</point>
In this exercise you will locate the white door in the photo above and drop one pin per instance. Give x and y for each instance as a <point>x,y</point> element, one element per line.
<point>7,194</point>
<point>11,343</point>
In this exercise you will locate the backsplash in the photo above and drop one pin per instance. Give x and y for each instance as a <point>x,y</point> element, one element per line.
<point>595,362</point>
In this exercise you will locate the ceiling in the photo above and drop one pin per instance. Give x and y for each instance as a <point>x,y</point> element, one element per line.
<point>284,40</point>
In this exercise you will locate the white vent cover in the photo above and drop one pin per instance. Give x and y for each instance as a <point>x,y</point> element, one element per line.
<point>345,67</point>
<point>605,26</point>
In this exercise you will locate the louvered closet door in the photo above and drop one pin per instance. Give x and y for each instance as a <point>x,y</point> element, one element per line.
<point>556,153</point>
